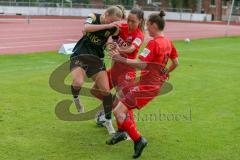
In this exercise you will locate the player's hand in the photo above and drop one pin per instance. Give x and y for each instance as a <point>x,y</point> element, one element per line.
<point>112,46</point>
<point>115,55</point>
<point>83,32</point>
<point>164,71</point>
<point>117,23</point>
<point>165,76</point>
<point>114,24</point>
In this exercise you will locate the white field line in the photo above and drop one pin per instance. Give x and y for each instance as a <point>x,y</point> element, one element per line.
<point>43,29</point>
<point>47,36</point>
<point>40,19</point>
<point>30,34</point>
<point>23,46</point>
<point>42,41</point>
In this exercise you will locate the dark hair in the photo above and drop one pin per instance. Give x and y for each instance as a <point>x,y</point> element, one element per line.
<point>123,11</point>
<point>140,14</point>
<point>158,19</point>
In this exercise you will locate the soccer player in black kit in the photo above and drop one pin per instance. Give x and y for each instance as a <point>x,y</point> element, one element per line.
<point>88,54</point>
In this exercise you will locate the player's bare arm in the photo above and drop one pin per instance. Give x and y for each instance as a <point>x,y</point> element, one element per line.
<point>115,55</point>
<point>127,50</point>
<point>173,66</point>
<point>94,28</point>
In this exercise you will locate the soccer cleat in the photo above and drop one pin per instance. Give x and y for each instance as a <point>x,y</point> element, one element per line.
<point>79,106</point>
<point>117,137</point>
<point>128,138</point>
<point>100,118</point>
<point>109,126</point>
<point>139,146</point>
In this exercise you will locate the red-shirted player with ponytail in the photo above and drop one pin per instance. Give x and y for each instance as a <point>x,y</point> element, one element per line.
<point>153,61</point>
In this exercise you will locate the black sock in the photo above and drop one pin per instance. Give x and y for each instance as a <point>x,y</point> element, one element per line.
<point>75,92</point>
<point>120,130</point>
<point>114,97</point>
<point>107,105</point>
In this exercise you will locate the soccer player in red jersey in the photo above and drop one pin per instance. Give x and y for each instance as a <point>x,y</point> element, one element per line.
<point>153,62</point>
<point>129,40</point>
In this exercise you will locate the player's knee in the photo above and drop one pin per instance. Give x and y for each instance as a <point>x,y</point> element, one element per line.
<point>77,82</point>
<point>105,91</point>
<point>95,92</point>
<point>119,116</point>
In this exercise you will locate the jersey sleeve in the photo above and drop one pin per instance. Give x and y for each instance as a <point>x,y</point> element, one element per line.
<point>118,32</point>
<point>148,52</point>
<point>174,53</point>
<point>91,18</point>
<point>115,31</point>
<point>137,42</point>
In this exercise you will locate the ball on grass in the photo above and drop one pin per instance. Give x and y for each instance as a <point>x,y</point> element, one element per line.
<point>187,40</point>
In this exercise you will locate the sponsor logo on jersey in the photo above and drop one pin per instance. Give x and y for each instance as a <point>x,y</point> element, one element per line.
<point>137,41</point>
<point>89,20</point>
<point>121,42</point>
<point>145,52</point>
<point>94,39</point>
<point>107,34</point>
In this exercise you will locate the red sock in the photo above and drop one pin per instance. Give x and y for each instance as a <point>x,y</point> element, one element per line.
<point>131,115</point>
<point>129,127</point>
<point>120,128</point>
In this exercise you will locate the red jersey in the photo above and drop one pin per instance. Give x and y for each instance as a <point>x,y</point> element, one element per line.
<point>157,52</point>
<point>119,71</point>
<point>126,39</point>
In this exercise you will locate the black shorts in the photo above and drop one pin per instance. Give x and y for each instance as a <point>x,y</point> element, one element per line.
<point>90,63</point>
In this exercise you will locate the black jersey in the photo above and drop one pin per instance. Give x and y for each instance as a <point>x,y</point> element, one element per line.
<point>94,43</point>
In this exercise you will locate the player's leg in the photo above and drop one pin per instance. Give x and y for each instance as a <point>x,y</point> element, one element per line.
<point>139,96</point>
<point>100,116</point>
<point>95,91</point>
<point>78,75</point>
<point>128,125</point>
<point>130,114</point>
<point>101,80</point>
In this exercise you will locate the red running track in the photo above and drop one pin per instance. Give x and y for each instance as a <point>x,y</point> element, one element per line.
<point>17,36</point>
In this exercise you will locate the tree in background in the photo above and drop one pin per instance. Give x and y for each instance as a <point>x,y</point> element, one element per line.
<point>122,2</point>
<point>187,4</point>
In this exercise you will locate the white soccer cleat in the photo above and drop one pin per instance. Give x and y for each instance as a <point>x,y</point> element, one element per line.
<point>109,126</point>
<point>128,138</point>
<point>100,118</point>
<point>79,106</point>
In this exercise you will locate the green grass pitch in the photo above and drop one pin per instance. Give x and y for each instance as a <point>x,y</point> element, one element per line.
<point>200,118</point>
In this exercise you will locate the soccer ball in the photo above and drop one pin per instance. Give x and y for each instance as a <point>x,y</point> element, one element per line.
<point>187,40</point>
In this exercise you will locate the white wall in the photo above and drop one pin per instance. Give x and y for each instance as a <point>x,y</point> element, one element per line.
<point>85,11</point>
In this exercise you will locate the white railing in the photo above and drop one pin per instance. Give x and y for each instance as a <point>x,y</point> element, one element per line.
<point>76,9</point>
<point>81,5</point>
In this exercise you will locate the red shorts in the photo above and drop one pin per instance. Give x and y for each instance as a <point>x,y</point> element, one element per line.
<point>121,80</point>
<point>139,95</point>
